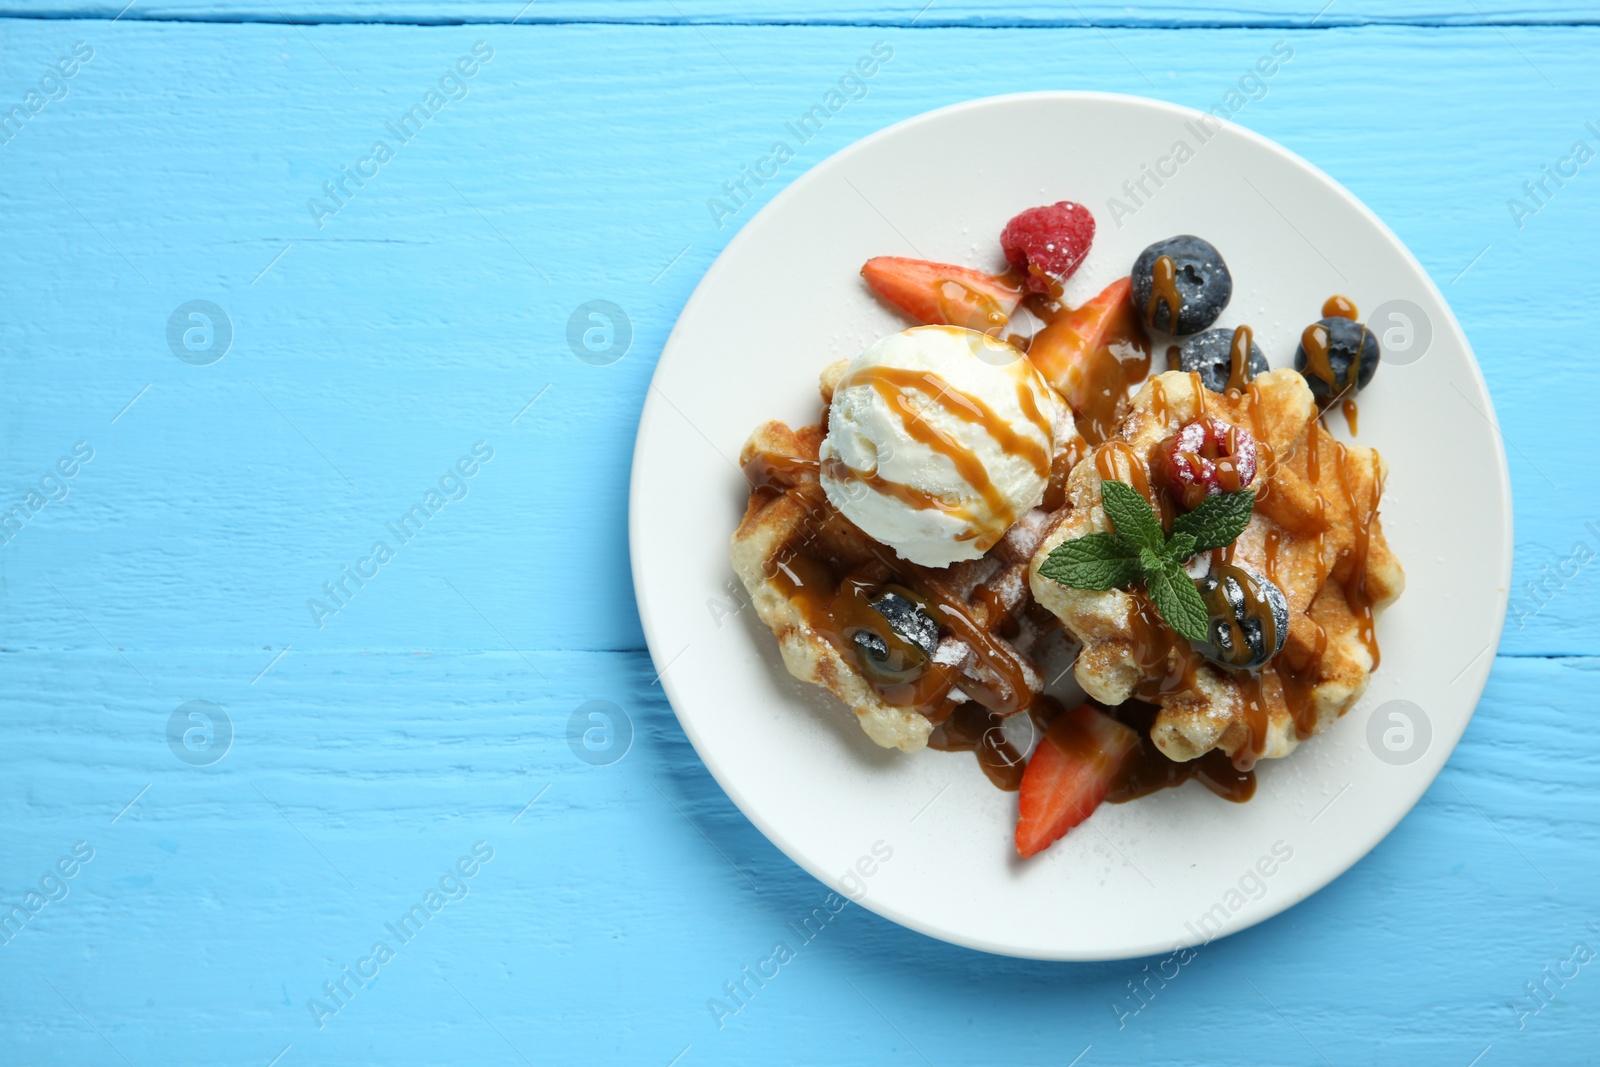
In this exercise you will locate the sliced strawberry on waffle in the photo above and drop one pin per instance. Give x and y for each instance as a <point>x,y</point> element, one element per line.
<point>1092,354</point>
<point>1064,349</point>
<point>1069,774</point>
<point>943,294</point>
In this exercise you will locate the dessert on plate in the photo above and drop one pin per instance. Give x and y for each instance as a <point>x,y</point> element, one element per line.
<point>888,549</point>
<point>1006,535</point>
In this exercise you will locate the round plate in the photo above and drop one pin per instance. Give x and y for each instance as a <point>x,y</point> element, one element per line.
<point>924,839</point>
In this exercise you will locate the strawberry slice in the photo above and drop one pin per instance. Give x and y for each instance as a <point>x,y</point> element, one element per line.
<point>1091,354</point>
<point>1069,774</point>
<point>943,294</point>
<point>1064,348</point>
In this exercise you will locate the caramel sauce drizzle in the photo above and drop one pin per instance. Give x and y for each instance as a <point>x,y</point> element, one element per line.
<point>771,475</point>
<point>1314,339</point>
<point>1253,592</point>
<point>1028,401</point>
<point>836,605</point>
<point>1167,661</point>
<point>1314,476</point>
<point>974,728</point>
<point>1335,307</point>
<point>1296,679</point>
<point>1164,290</point>
<point>1160,410</point>
<point>1094,381</point>
<point>1351,414</point>
<point>1239,360</point>
<point>1355,583</point>
<point>1266,459</point>
<point>1256,719</point>
<point>1055,493</point>
<point>1272,544</point>
<point>1148,769</point>
<point>1105,465</point>
<point>956,298</point>
<point>920,499</point>
<point>1340,307</point>
<point>897,386</point>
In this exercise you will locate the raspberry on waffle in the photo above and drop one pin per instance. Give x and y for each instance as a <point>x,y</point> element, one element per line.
<point>1315,533</point>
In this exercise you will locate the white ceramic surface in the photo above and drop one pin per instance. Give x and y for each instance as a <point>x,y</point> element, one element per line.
<point>785,298</point>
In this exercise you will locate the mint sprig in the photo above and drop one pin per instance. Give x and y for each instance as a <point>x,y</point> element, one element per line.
<point>1140,551</point>
<point>1217,521</point>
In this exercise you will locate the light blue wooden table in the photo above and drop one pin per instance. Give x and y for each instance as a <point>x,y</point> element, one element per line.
<point>397,723</point>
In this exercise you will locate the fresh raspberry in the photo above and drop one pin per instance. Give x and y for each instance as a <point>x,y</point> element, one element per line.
<point>1207,457</point>
<point>1048,243</point>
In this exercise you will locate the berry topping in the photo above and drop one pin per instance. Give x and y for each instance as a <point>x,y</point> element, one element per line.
<point>1181,285</point>
<point>1048,243</point>
<point>1212,354</point>
<point>1329,350</point>
<point>1249,617</point>
<point>885,659</point>
<point>942,294</point>
<point>896,639</point>
<point>1091,354</point>
<point>1206,457</point>
<point>1068,775</point>
<point>908,619</point>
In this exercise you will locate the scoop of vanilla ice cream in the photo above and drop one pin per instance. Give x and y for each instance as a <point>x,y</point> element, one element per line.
<point>939,439</point>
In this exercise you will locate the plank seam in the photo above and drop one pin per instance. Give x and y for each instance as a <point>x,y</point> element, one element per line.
<point>1048,24</point>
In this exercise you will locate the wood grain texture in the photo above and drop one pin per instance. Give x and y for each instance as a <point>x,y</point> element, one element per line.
<point>934,15</point>
<point>371,353</point>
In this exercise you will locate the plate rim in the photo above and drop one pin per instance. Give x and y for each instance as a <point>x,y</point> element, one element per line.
<point>652,410</point>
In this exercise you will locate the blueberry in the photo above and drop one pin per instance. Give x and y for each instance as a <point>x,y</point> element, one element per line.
<point>897,649</point>
<point>871,645</point>
<point>1341,340</point>
<point>1249,617</point>
<point>1211,354</point>
<point>1200,278</point>
<point>908,620</point>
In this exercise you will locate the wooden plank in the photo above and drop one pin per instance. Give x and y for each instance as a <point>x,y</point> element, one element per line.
<point>927,15</point>
<point>621,902</point>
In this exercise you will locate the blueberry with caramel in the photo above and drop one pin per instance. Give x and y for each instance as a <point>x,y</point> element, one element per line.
<point>894,648</point>
<point>1181,285</point>
<point>1337,356</point>
<point>1224,359</point>
<point>1249,617</point>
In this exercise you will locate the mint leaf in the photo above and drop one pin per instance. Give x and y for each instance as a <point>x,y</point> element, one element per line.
<point>1096,561</point>
<point>1218,520</point>
<point>1131,514</point>
<point>1177,599</point>
<point>1139,550</point>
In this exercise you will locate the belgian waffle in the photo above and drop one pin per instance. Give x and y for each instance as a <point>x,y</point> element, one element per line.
<point>795,553</point>
<point>1315,532</point>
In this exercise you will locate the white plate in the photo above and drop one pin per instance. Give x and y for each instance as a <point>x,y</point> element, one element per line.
<point>785,298</point>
